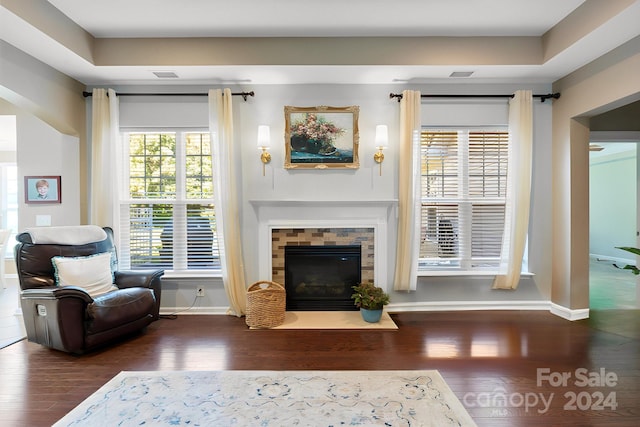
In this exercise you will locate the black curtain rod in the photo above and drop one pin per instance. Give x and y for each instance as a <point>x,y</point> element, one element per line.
<point>244,95</point>
<point>542,97</point>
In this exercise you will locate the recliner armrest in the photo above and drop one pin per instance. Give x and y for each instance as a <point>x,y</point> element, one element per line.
<point>57,292</point>
<point>137,278</point>
<point>145,279</point>
<point>54,316</point>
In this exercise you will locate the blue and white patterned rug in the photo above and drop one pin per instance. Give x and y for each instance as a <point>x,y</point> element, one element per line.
<point>272,398</point>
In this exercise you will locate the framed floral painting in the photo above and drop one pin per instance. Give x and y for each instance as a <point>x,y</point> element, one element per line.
<point>321,137</point>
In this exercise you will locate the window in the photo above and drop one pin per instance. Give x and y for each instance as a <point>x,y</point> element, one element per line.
<point>167,216</point>
<point>9,204</point>
<point>463,195</point>
<point>8,181</point>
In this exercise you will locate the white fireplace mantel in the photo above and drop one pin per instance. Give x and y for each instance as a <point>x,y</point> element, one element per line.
<point>275,214</point>
<point>313,203</point>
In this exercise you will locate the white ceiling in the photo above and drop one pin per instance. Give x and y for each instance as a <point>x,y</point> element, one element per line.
<point>125,19</point>
<point>309,18</point>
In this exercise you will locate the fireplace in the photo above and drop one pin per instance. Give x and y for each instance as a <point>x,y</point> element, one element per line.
<point>321,277</point>
<point>363,223</point>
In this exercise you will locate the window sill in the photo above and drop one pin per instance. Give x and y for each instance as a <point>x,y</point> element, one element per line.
<point>456,273</point>
<point>169,274</point>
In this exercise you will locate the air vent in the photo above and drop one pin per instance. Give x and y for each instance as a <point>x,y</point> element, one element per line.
<point>165,74</point>
<point>461,74</point>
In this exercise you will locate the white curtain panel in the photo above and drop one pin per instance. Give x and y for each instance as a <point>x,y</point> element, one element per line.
<point>226,203</point>
<point>105,152</point>
<point>518,190</point>
<point>406,271</point>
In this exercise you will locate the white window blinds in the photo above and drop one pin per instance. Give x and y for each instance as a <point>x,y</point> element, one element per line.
<point>167,211</point>
<point>463,189</point>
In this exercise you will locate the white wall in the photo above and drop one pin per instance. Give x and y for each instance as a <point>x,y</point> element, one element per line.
<point>42,150</point>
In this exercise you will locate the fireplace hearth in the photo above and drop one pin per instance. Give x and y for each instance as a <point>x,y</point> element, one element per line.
<point>320,277</point>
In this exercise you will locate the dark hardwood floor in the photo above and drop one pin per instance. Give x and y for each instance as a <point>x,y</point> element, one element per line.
<point>489,359</point>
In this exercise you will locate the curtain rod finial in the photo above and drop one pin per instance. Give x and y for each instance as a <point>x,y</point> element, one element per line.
<point>247,94</point>
<point>555,95</point>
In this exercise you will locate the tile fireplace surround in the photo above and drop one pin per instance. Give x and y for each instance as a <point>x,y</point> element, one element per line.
<point>296,222</point>
<point>363,237</point>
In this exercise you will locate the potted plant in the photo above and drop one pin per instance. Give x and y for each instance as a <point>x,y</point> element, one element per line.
<point>370,299</point>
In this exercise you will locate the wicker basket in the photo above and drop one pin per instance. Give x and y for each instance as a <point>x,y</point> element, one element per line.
<point>266,302</point>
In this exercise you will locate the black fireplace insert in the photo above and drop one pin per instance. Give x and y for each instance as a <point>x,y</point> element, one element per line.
<point>320,277</point>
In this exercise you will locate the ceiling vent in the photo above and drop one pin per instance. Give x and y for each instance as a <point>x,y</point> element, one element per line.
<point>461,74</point>
<point>165,74</point>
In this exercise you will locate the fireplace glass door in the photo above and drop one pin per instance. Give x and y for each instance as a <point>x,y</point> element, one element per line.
<point>320,277</point>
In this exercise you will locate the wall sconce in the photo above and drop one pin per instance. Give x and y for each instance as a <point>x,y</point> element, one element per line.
<point>382,142</point>
<point>264,142</point>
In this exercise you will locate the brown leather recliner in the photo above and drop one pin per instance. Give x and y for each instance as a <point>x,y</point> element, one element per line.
<point>67,318</point>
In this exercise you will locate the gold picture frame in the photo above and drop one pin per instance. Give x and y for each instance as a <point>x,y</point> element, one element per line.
<point>321,137</point>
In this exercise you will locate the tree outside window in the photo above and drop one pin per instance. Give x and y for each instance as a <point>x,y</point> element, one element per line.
<point>168,217</point>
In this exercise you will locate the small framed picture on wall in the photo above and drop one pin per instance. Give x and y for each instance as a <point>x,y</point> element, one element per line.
<point>42,189</point>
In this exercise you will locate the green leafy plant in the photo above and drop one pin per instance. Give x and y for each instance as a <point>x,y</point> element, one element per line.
<point>369,296</point>
<point>633,268</point>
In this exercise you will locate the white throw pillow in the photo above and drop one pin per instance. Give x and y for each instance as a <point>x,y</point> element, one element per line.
<point>92,273</point>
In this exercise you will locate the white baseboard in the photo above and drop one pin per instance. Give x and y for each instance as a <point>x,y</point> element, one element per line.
<point>556,309</point>
<point>467,306</point>
<point>185,311</point>
<point>569,314</point>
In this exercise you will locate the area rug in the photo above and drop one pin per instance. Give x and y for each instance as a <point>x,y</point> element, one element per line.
<point>272,398</point>
<point>332,320</point>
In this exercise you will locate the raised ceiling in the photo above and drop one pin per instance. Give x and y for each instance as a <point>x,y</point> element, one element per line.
<point>307,18</point>
<point>120,42</point>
